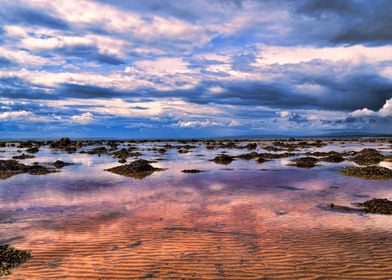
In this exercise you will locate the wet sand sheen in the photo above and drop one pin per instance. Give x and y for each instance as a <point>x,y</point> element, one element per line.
<point>129,249</point>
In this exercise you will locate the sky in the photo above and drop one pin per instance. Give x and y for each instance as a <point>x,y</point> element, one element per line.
<point>195,68</point>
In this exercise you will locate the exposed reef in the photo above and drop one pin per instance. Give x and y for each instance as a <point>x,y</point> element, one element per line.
<point>368,157</point>
<point>305,162</point>
<point>368,172</point>
<point>9,168</point>
<point>223,159</point>
<point>137,169</point>
<point>10,258</point>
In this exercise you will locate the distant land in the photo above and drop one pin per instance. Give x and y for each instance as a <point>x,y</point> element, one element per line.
<point>242,137</point>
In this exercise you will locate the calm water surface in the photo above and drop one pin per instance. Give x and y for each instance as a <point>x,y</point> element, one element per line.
<point>238,221</point>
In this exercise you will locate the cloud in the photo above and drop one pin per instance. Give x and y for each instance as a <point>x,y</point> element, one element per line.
<point>352,22</point>
<point>213,67</point>
<point>14,115</point>
<point>385,111</point>
<point>162,66</point>
<point>234,123</point>
<point>80,47</point>
<point>206,123</point>
<point>83,118</point>
<point>31,16</point>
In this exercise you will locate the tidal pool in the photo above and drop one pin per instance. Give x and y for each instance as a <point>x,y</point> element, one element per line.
<point>243,220</point>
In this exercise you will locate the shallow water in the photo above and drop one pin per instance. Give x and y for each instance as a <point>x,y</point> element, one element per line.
<point>238,221</point>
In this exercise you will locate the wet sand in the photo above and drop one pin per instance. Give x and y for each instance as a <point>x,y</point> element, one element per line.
<point>238,221</point>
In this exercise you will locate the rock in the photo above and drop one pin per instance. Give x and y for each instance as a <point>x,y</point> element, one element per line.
<point>260,160</point>
<point>121,154</point>
<point>64,144</point>
<point>23,156</point>
<point>9,168</point>
<point>98,151</point>
<point>272,148</point>
<point>369,172</point>
<point>10,258</point>
<point>305,162</point>
<point>251,146</point>
<point>248,156</point>
<point>61,164</point>
<point>223,159</point>
<point>32,150</point>
<point>333,158</point>
<point>191,171</point>
<point>275,156</point>
<point>137,169</point>
<point>377,206</point>
<point>368,157</point>
<point>60,144</point>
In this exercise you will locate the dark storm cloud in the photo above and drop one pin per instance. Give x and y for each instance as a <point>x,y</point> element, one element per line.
<point>362,124</point>
<point>89,53</point>
<point>331,6</point>
<point>354,91</point>
<point>30,16</point>
<point>350,21</point>
<point>347,93</point>
<point>17,88</point>
<point>87,91</point>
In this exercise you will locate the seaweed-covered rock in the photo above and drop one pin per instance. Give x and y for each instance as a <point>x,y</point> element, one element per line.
<point>32,150</point>
<point>121,154</point>
<point>368,157</point>
<point>272,148</point>
<point>251,146</point>
<point>23,156</point>
<point>368,172</point>
<point>37,169</point>
<point>183,151</point>
<point>377,206</point>
<point>10,258</point>
<point>61,164</point>
<point>333,158</point>
<point>275,156</point>
<point>260,160</point>
<point>9,168</point>
<point>191,171</point>
<point>64,144</point>
<point>61,144</point>
<point>305,162</point>
<point>98,151</point>
<point>223,159</point>
<point>137,169</point>
<point>248,156</point>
